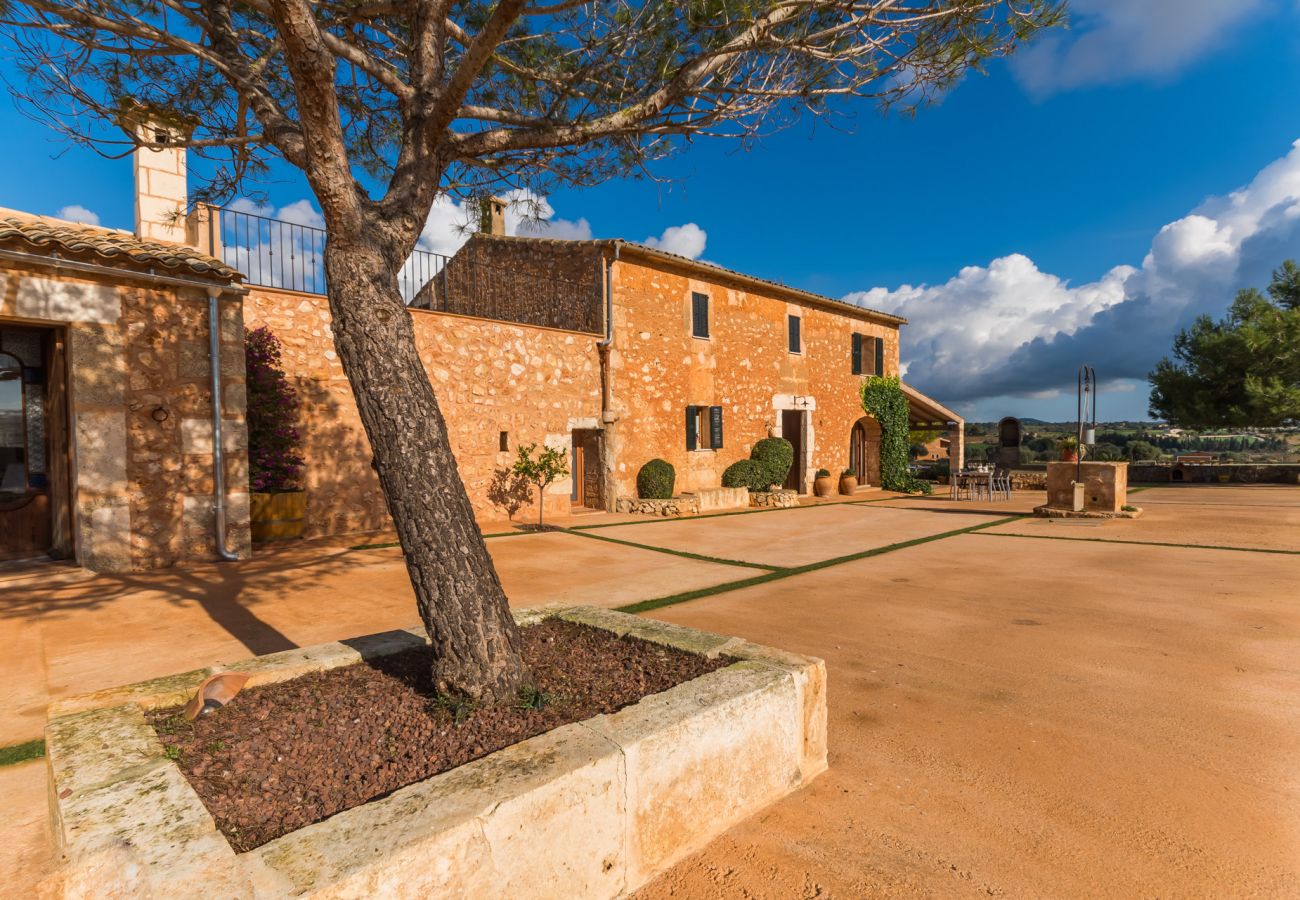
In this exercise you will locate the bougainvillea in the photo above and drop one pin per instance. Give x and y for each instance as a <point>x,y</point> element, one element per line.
<point>883,398</point>
<point>274,445</point>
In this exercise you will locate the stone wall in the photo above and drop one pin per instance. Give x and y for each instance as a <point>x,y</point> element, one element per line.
<point>141,489</point>
<point>535,384</point>
<point>658,369</point>
<point>1236,473</point>
<point>774,499</point>
<point>673,507</point>
<point>530,282</point>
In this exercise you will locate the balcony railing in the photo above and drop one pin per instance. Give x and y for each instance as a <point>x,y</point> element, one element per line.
<point>277,253</point>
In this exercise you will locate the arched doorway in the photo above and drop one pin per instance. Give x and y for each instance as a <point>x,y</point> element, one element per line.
<point>864,450</point>
<point>1009,442</point>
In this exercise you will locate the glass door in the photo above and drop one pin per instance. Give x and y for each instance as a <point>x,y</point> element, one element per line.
<point>24,446</point>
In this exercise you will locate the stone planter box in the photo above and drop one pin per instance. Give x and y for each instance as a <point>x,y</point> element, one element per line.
<point>594,809</point>
<point>782,499</point>
<point>688,505</point>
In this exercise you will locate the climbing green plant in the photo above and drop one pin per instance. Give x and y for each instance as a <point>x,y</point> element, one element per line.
<point>882,398</point>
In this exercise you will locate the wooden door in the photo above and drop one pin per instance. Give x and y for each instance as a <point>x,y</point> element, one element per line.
<point>579,495</point>
<point>586,469</point>
<point>792,431</point>
<point>25,513</point>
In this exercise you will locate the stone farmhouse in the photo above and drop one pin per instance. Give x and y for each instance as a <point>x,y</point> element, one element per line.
<point>122,435</point>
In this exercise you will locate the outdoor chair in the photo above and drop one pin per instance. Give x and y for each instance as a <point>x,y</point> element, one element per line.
<point>1000,483</point>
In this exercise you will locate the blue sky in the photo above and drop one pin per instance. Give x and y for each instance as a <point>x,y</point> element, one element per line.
<point>995,221</point>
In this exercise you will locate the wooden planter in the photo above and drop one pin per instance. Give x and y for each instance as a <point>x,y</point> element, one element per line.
<point>278,517</point>
<point>848,484</point>
<point>824,486</point>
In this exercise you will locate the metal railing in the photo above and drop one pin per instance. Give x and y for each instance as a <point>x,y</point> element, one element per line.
<point>276,253</point>
<point>288,255</point>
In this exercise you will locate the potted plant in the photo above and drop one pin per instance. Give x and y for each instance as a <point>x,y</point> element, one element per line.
<point>1069,447</point>
<point>277,501</point>
<point>848,480</point>
<point>823,484</point>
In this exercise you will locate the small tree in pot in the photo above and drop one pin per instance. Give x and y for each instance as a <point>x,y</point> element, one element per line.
<point>547,468</point>
<point>278,503</point>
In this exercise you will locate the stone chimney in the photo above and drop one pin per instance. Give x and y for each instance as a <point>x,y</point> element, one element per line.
<point>492,216</point>
<point>160,190</point>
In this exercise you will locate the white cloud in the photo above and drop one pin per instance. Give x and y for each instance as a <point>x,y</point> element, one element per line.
<point>1112,41</point>
<point>685,240</point>
<point>451,223</point>
<point>1011,329</point>
<point>79,214</point>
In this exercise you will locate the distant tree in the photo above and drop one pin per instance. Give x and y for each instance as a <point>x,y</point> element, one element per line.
<point>1105,452</point>
<point>1139,451</point>
<point>916,451</point>
<point>1241,371</point>
<point>543,470</point>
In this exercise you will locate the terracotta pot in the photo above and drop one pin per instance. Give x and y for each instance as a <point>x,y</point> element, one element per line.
<point>278,517</point>
<point>824,486</point>
<point>1069,456</point>
<point>848,484</point>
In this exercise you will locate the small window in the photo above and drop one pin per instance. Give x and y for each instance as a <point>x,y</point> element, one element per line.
<point>796,344</point>
<point>704,428</point>
<point>699,315</point>
<point>503,442</point>
<point>868,355</point>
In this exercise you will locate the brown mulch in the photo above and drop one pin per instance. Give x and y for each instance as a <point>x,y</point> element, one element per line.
<point>280,757</point>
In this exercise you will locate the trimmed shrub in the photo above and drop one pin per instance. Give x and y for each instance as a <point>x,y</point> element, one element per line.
<point>747,473</point>
<point>776,456</point>
<point>656,480</point>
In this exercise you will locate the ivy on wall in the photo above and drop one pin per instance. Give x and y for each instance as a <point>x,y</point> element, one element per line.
<point>883,398</point>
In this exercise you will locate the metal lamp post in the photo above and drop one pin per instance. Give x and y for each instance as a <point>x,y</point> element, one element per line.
<point>1087,407</point>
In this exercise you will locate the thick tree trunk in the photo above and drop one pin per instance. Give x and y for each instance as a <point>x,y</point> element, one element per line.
<point>476,645</point>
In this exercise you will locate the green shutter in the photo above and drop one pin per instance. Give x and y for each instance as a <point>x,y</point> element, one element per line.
<point>880,356</point>
<point>857,353</point>
<point>692,418</point>
<point>700,315</point>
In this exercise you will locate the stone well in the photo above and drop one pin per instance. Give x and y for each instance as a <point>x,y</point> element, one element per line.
<point>1105,487</point>
<point>593,809</point>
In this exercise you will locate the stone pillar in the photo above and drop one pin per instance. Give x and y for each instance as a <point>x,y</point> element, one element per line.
<point>957,447</point>
<point>160,188</point>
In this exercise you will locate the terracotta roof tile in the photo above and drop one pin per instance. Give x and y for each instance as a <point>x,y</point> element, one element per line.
<point>109,246</point>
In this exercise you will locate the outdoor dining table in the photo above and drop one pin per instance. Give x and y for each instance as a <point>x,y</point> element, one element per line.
<point>975,482</point>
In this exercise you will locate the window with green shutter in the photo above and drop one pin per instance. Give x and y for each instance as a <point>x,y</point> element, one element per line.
<point>880,356</point>
<point>857,353</point>
<point>699,315</point>
<point>795,341</point>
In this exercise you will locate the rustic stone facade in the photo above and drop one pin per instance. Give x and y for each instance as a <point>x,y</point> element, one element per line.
<point>139,450</point>
<point>537,385</point>
<point>554,284</point>
<point>658,369</point>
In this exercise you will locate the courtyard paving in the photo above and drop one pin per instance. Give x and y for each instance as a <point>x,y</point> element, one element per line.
<point>1011,713</point>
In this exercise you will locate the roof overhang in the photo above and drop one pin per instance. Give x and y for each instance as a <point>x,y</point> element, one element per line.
<point>923,411</point>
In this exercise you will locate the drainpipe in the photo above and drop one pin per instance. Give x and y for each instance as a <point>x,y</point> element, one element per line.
<point>603,347</point>
<point>218,445</point>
